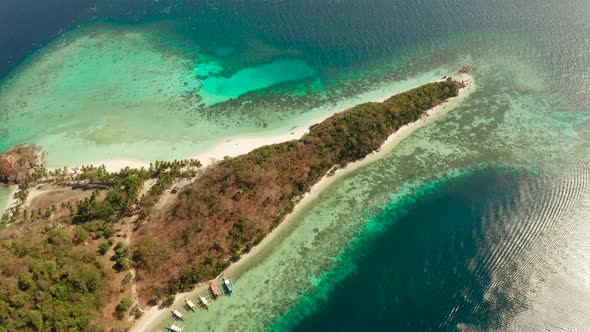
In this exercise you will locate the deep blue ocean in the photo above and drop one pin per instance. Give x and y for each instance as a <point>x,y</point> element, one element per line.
<point>494,248</point>
<point>422,273</point>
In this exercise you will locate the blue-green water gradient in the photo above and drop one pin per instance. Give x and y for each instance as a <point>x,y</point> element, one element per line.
<point>491,249</point>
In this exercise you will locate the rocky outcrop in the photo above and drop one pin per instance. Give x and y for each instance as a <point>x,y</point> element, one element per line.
<point>467,69</point>
<point>18,164</point>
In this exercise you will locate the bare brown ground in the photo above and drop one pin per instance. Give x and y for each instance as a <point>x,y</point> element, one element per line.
<point>46,196</point>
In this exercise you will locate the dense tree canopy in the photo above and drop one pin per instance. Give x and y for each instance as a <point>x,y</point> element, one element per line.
<point>48,284</point>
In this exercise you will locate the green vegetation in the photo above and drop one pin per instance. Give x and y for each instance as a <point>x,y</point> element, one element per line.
<point>49,284</point>
<point>123,307</point>
<point>121,256</point>
<point>51,279</point>
<point>80,235</point>
<point>103,248</point>
<point>169,300</point>
<point>236,202</point>
<point>118,202</point>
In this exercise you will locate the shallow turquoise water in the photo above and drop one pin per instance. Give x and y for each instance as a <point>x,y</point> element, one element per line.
<point>219,89</point>
<point>104,92</point>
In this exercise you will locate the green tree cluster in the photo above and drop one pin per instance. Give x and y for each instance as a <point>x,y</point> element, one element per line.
<point>49,284</point>
<point>123,307</point>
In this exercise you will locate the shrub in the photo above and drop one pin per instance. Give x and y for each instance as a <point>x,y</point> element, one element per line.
<point>137,312</point>
<point>103,248</point>
<point>122,262</point>
<point>169,300</point>
<point>128,277</point>
<point>123,306</point>
<point>150,254</point>
<point>80,235</point>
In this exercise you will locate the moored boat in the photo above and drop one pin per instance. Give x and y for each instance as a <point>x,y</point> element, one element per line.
<point>228,285</point>
<point>204,301</point>
<point>213,289</point>
<point>191,305</point>
<point>176,327</point>
<point>177,314</point>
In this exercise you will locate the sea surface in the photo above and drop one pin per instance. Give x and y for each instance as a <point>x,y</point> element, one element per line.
<point>478,221</point>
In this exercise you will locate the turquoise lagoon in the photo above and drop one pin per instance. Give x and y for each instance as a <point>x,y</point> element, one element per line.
<point>137,92</point>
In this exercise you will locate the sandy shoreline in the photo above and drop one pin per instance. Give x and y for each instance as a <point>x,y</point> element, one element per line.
<point>232,147</point>
<point>12,201</point>
<point>154,317</point>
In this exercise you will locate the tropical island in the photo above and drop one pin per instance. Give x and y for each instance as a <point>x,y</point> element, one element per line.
<point>88,249</point>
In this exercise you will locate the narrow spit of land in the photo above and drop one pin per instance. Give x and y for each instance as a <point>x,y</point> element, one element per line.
<point>187,224</point>
<point>156,317</point>
<point>236,202</point>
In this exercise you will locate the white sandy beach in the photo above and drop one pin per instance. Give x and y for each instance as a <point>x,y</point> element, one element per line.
<point>153,317</point>
<point>230,148</point>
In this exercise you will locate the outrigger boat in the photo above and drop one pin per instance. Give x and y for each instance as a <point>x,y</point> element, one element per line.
<point>213,289</point>
<point>177,314</point>
<point>204,301</point>
<point>176,328</point>
<point>227,284</point>
<point>191,305</point>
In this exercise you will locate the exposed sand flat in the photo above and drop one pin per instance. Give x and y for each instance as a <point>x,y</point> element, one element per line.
<point>45,196</point>
<point>153,317</point>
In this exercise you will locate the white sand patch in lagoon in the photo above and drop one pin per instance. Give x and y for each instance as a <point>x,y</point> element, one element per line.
<point>219,89</point>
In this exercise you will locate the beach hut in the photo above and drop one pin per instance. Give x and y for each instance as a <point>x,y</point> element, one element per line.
<point>176,327</point>
<point>177,314</point>
<point>228,285</point>
<point>191,305</point>
<point>213,289</point>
